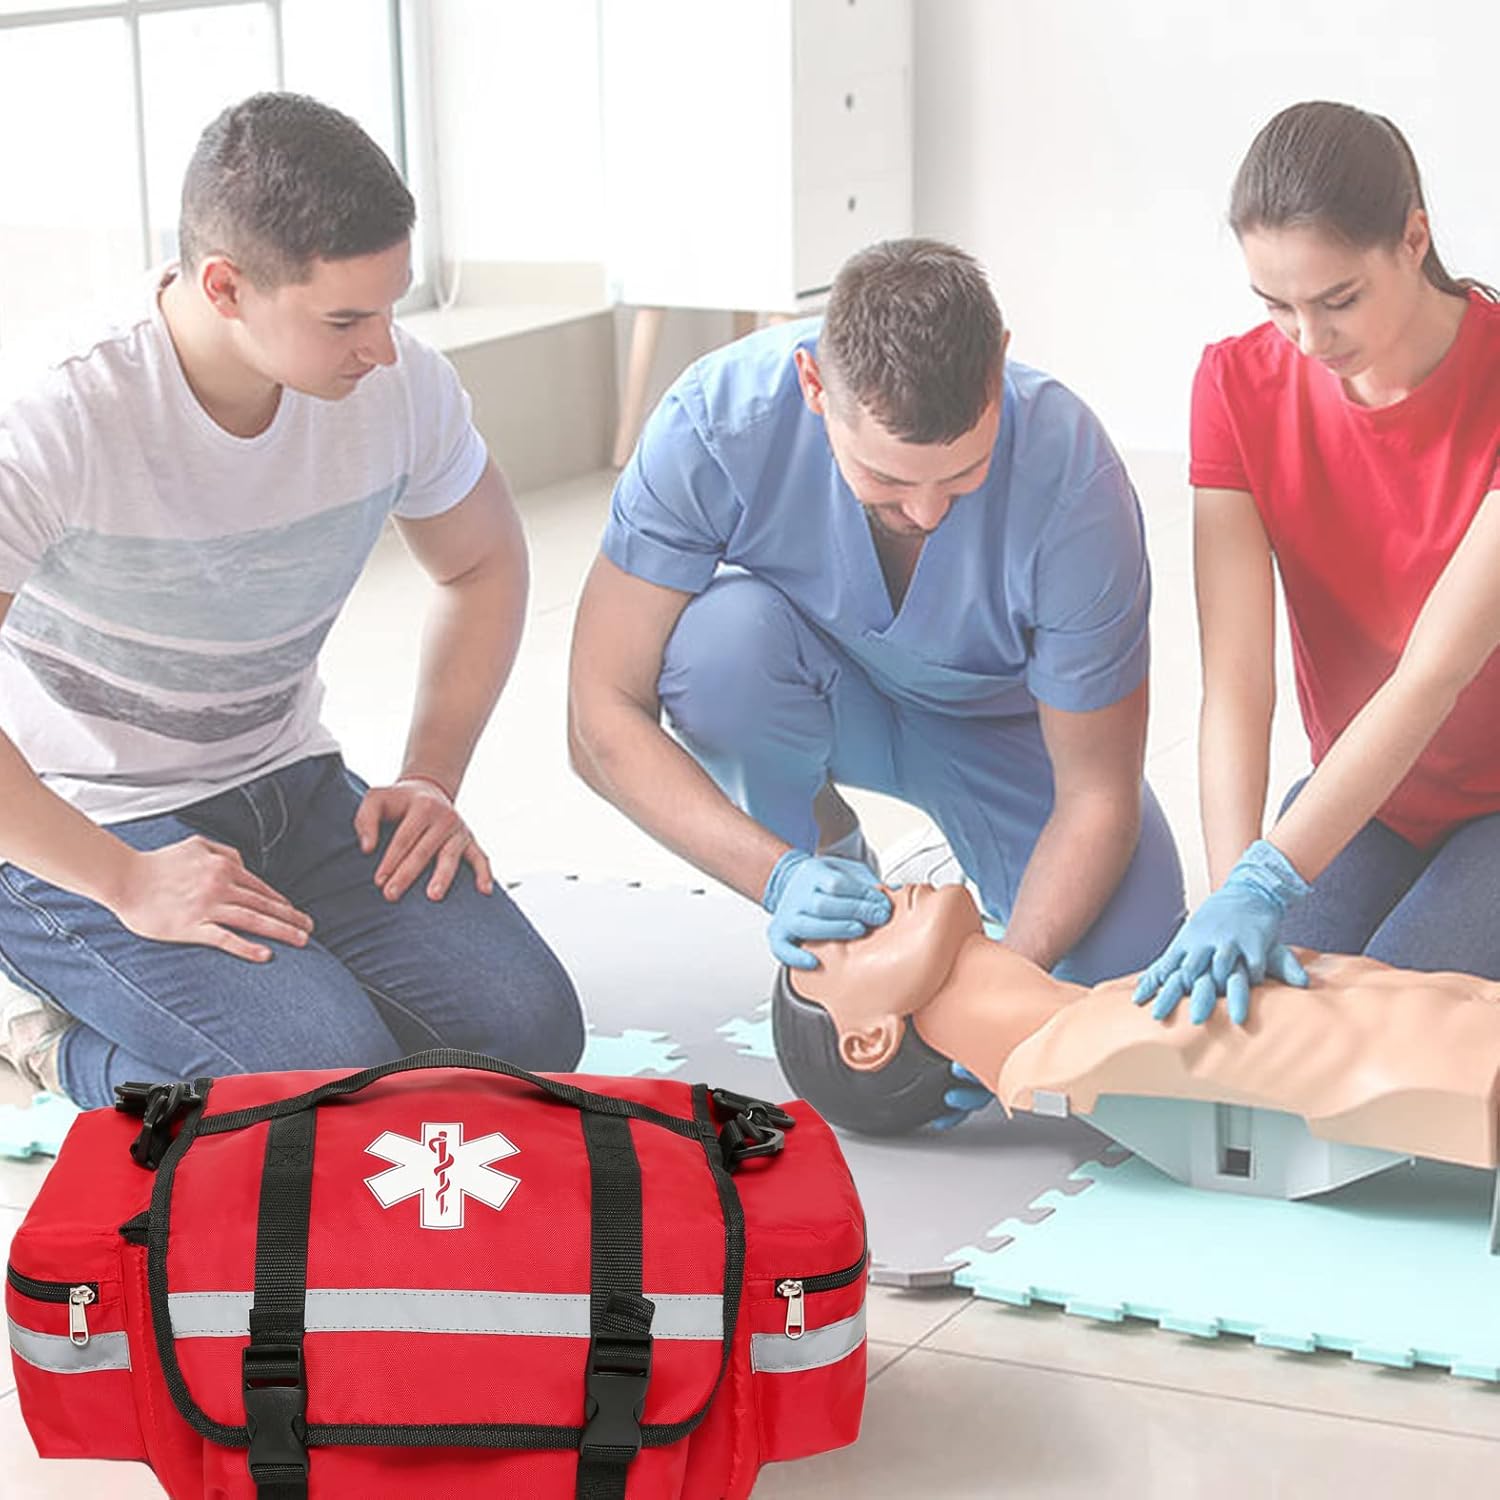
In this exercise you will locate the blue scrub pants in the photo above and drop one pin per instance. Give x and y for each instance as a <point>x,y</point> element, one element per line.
<point>1429,909</point>
<point>771,709</point>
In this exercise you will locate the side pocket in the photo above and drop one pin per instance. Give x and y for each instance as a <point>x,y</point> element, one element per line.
<point>724,1452</point>
<point>173,1449</point>
<point>72,1354</point>
<point>809,1385</point>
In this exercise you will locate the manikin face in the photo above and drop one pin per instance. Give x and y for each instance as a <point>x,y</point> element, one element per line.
<point>321,336</point>
<point>905,488</point>
<point>1349,309</point>
<point>869,986</point>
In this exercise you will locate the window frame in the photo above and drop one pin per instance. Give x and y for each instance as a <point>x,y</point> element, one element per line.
<point>409,53</point>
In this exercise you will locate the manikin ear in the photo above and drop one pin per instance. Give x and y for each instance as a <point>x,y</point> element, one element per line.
<point>871,1047</point>
<point>810,378</point>
<point>221,281</point>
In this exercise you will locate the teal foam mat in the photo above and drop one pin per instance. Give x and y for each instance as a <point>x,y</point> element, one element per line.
<point>1394,1270</point>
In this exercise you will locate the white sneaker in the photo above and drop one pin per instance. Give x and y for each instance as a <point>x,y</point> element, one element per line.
<point>926,858</point>
<point>854,845</point>
<point>30,1028</point>
<point>923,858</point>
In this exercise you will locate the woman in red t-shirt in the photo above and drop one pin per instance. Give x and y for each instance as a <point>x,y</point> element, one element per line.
<point>1351,441</point>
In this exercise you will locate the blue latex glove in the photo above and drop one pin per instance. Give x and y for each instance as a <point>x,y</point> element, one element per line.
<point>968,1098</point>
<point>812,899</point>
<point>1229,944</point>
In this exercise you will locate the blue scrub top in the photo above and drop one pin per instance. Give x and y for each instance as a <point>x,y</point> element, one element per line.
<point>1034,586</point>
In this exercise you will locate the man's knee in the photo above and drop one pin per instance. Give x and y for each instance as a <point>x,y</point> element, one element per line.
<point>528,1014</point>
<point>315,1028</point>
<point>901,1097</point>
<point>736,654</point>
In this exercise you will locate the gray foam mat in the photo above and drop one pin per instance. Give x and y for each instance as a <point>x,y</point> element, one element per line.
<point>677,983</point>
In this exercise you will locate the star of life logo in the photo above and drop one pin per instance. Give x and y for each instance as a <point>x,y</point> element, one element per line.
<point>444,1169</point>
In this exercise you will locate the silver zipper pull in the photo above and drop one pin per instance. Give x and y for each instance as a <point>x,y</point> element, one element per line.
<point>792,1291</point>
<point>79,1298</point>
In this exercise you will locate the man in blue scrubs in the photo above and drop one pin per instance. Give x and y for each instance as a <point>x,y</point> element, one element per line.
<point>870,550</point>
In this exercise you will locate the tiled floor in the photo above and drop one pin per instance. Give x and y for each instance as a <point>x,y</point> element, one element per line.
<point>966,1398</point>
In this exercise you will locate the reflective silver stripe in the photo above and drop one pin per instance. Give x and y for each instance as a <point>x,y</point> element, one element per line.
<point>403,1310</point>
<point>777,1354</point>
<point>57,1354</point>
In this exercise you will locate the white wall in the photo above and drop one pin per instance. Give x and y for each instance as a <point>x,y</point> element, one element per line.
<point>516,121</point>
<point>1084,150</point>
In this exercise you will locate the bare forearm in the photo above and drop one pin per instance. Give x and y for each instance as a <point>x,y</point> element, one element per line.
<point>1363,768</point>
<point>626,756</point>
<point>43,835</point>
<point>469,645</point>
<point>1234,758</point>
<point>1079,859</point>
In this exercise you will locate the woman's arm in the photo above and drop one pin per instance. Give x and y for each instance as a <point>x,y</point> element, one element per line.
<point>1237,633</point>
<point>1455,634</point>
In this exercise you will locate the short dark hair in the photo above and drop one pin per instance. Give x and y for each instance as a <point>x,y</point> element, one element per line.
<point>914,335</point>
<point>279,181</point>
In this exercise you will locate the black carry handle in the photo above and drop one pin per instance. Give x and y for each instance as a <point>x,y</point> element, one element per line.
<point>449,1057</point>
<point>276,1431</point>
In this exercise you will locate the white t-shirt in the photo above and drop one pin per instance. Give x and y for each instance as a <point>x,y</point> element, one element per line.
<point>173,583</point>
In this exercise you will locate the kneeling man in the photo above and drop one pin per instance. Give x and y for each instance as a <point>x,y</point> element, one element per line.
<point>870,550</point>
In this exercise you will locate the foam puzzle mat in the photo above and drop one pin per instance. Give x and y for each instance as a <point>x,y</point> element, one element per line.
<point>1394,1270</point>
<point>677,982</point>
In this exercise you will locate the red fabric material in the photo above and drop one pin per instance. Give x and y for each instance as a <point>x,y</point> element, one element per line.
<point>1364,507</point>
<point>102,1428</point>
<point>803,1219</point>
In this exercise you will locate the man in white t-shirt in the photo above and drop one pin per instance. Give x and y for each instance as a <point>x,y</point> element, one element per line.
<point>193,881</point>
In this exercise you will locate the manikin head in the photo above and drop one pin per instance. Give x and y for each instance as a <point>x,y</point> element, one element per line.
<point>871,985</point>
<point>1329,212</point>
<point>296,229</point>
<point>907,378</point>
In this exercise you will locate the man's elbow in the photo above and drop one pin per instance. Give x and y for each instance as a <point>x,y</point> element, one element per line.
<point>580,741</point>
<point>1107,816</point>
<point>595,728</point>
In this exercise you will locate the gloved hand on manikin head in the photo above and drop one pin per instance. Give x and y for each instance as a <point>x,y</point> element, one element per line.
<point>1366,1054</point>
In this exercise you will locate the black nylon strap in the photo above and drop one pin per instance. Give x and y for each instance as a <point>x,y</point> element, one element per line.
<point>445,1057</point>
<point>619,1361</point>
<point>484,1435</point>
<point>275,1382</point>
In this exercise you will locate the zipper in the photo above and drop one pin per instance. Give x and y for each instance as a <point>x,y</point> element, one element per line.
<point>78,1295</point>
<point>796,1288</point>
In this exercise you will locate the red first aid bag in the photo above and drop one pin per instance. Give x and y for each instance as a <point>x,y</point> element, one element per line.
<point>442,1276</point>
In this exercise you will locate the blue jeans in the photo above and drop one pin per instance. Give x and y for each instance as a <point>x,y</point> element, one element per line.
<point>771,708</point>
<point>377,980</point>
<point>1427,909</point>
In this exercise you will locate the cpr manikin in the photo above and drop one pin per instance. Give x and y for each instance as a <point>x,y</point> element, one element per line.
<point>1368,1066</point>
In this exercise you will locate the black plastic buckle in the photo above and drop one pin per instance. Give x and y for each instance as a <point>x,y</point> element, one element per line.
<point>160,1106</point>
<point>742,1104</point>
<point>614,1398</point>
<point>747,1136</point>
<point>275,1390</point>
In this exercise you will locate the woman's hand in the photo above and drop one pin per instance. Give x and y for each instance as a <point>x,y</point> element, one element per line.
<point>1230,944</point>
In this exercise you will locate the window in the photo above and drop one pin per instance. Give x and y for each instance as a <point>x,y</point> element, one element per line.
<point>101,105</point>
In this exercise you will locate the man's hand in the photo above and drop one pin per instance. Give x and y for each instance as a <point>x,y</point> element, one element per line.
<point>197,891</point>
<point>817,899</point>
<point>965,1099</point>
<point>429,831</point>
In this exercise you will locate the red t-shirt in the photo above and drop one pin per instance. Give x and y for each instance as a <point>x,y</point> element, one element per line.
<point>1364,507</point>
